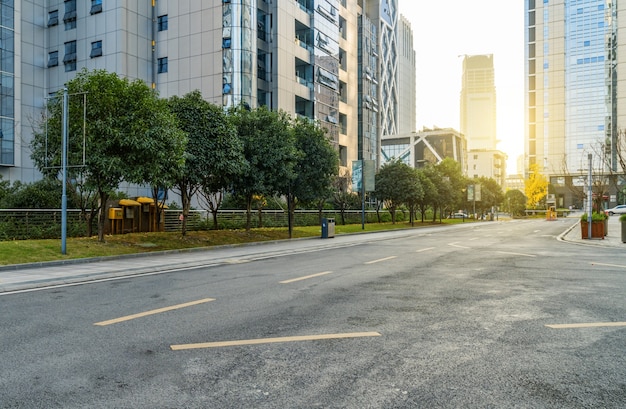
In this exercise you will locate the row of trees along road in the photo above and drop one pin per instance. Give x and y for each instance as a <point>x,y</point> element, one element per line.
<point>440,187</point>
<point>120,130</point>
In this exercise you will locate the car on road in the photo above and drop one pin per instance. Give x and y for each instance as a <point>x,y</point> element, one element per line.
<point>619,209</point>
<point>458,215</point>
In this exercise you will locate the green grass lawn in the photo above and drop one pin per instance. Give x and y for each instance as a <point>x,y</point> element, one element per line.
<point>34,251</point>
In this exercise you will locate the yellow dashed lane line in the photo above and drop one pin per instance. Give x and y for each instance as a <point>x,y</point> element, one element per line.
<point>273,340</point>
<point>152,312</point>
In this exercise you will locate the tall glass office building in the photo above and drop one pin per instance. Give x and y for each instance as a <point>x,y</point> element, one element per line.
<point>574,106</point>
<point>7,83</point>
<point>573,101</point>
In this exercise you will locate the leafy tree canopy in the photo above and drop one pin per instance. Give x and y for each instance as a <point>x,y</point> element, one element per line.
<point>116,130</point>
<point>535,187</point>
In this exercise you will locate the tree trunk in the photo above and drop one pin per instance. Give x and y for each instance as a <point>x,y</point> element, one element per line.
<point>184,198</point>
<point>248,211</point>
<point>214,213</point>
<point>103,199</point>
<point>290,206</point>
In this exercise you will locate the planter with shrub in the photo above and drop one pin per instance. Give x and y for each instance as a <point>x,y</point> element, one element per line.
<point>598,226</point>
<point>622,220</point>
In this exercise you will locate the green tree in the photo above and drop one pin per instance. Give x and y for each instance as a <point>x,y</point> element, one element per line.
<point>270,152</point>
<point>491,194</point>
<point>5,187</point>
<point>316,165</point>
<point>414,194</point>
<point>515,202</point>
<point>429,198</point>
<point>214,154</point>
<point>394,181</point>
<point>450,186</point>
<point>42,194</point>
<point>535,187</point>
<point>116,129</point>
<point>342,198</point>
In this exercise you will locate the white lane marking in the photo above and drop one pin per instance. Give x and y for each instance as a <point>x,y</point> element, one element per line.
<point>587,325</point>
<point>607,265</point>
<point>456,245</point>
<point>380,259</point>
<point>516,254</point>
<point>293,280</point>
<point>426,249</point>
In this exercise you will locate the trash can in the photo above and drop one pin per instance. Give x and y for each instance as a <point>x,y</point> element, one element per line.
<point>328,228</point>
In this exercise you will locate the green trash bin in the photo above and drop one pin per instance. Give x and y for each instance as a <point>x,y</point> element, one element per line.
<point>328,228</point>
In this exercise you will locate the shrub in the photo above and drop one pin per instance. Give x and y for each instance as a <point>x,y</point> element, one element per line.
<point>595,217</point>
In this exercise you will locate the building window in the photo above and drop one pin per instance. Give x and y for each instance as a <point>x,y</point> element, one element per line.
<point>96,49</point>
<point>162,63</point>
<point>342,27</point>
<point>53,59</point>
<point>225,42</point>
<point>7,141</point>
<point>53,18</point>
<point>343,60</point>
<point>343,155</point>
<point>343,92</point>
<point>70,56</point>
<point>69,18</point>
<point>162,22</point>
<point>96,7</point>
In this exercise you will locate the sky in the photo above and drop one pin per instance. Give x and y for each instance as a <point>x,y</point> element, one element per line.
<point>445,31</point>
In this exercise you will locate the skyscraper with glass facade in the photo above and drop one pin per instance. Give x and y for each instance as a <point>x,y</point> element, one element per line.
<point>478,102</point>
<point>333,61</point>
<point>7,84</point>
<point>575,100</point>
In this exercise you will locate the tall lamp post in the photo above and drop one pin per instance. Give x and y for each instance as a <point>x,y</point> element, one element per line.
<point>64,174</point>
<point>589,199</point>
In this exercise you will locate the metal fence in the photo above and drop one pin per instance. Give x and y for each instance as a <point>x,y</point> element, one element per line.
<point>20,224</point>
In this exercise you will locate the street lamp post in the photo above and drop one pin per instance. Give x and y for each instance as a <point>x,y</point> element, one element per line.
<point>589,199</point>
<point>64,139</point>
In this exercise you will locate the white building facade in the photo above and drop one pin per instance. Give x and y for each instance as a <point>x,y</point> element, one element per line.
<point>333,61</point>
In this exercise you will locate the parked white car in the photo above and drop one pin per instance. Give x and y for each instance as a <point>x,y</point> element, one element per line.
<point>619,209</point>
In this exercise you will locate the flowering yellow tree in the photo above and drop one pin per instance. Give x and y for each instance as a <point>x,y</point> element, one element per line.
<point>535,187</point>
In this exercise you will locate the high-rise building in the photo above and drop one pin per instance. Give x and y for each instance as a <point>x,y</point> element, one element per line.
<point>478,102</point>
<point>478,119</point>
<point>333,61</point>
<point>406,77</point>
<point>575,98</point>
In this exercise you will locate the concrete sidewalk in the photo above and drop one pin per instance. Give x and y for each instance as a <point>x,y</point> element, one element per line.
<point>24,277</point>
